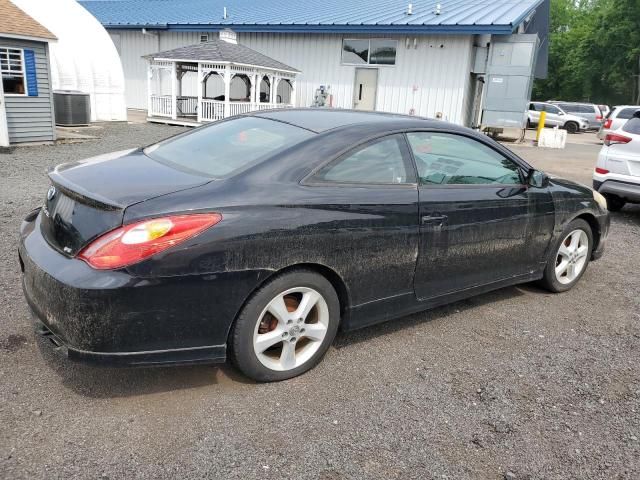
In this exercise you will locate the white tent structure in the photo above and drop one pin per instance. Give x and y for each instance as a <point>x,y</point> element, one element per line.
<point>84,57</point>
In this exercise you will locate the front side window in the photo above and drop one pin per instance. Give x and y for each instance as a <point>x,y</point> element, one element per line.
<point>12,70</point>
<point>369,51</point>
<point>222,148</point>
<point>551,109</point>
<point>448,159</point>
<point>380,162</point>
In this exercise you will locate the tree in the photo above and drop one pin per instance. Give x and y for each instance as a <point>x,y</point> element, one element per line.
<point>594,52</point>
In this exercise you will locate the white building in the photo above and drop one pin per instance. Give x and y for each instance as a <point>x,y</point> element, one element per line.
<point>388,55</point>
<point>83,58</point>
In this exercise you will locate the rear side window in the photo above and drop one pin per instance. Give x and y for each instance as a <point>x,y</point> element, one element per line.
<point>632,126</point>
<point>577,108</point>
<point>222,148</point>
<point>381,162</point>
<point>448,159</point>
<point>627,113</point>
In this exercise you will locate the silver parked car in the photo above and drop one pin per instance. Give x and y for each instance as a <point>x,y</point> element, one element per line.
<point>588,111</point>
<point>556,117</point>
<point>616,119</point>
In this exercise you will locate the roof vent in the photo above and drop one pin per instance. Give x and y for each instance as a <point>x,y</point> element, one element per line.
<point>437,10</point>
<point>410,9</point>
<point>224,13</point>
<point>228,35</point>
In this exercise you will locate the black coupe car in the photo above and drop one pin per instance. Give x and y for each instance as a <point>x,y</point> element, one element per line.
<point>258,237</point>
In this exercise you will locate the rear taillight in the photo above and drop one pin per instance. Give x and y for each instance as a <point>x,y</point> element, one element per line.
<point>607,123</point>
<point>133,243</point>
<point>614,139</point>
<point>598,117</point>
<point>601,170</point>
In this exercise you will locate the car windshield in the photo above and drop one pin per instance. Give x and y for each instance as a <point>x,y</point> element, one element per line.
<point>221,149</point>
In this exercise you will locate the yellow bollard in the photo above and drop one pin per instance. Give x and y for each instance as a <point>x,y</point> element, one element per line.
<point>543,116</point>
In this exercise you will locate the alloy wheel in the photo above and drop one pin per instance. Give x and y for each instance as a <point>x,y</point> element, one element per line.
<point>572,256</point>
<point>291,329</point>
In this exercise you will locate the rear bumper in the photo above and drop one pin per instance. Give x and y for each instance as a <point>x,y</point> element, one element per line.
<point>183,356</point>
<point>628,191</point>
<point>116,318</point>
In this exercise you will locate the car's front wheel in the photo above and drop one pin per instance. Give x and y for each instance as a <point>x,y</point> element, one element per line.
<point>572,127</point>
<point>570,258</point>
<point>286,327</point>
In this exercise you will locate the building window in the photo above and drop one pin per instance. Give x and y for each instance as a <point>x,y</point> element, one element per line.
<point>204,37</point>
<point>356,51</point>
<point>12,69</point>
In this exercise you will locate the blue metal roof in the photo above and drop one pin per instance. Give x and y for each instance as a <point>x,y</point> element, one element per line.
<point>323,16</point>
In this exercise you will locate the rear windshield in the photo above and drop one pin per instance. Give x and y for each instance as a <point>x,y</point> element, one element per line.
<point>222,148</point>
<point>626,113</point>
<point>632,126</point>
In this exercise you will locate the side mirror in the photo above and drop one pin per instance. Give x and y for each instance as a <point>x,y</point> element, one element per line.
<point>538,179</point>
<point>561,113</point>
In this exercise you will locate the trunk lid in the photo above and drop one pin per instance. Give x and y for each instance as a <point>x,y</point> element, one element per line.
<point>89,197</point>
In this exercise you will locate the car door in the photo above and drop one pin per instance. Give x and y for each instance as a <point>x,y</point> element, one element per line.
<point>554,116</point>
<point>370,199</point>
<point>480,222</point>
<point>534,112</point>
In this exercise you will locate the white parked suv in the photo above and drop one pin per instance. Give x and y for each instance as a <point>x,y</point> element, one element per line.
<point>617,117</point>
<point>556,117</point>
<point>617,172</point>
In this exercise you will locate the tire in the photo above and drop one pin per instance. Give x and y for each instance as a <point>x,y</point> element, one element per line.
<point>270,347</point>
<point>578,260</point>
<point>572,127</point>
<point>614,203</point>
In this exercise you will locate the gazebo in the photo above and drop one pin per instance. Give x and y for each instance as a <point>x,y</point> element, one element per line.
<point>213,80</point>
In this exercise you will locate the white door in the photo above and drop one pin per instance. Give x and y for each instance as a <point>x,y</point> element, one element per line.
<point>365,88</point>
<point>4,131</point>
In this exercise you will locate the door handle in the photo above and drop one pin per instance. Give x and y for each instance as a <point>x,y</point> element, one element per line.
<point>435,219</point>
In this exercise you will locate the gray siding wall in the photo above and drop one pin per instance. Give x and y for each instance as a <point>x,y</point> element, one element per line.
<point>30,119</point>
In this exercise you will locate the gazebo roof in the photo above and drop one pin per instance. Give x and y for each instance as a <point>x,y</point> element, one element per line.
<point>219,51</point>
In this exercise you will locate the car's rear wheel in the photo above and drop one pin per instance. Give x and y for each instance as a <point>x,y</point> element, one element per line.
<point>286,327</point>
<point>570,258</point>
<point>572,127</point>
<point>614,203</point>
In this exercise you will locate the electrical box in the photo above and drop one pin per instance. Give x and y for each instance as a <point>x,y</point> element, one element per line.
<point>509,81</point>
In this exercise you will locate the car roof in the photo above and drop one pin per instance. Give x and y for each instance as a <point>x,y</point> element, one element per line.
<point>323,119</point>
<point>573,103</point>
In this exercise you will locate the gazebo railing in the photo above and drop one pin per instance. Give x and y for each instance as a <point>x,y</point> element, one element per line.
<point>212,110</point>
<point>161,105</point>
<point>187,105</point>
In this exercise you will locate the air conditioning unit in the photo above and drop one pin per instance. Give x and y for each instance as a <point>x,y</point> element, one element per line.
<point>72,108</point>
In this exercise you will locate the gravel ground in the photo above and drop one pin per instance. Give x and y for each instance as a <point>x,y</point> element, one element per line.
<point>517,384</point>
